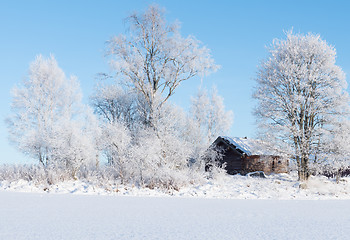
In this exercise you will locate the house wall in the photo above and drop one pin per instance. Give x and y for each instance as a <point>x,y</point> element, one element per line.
<point>267,164</point>
<point>233,161</point>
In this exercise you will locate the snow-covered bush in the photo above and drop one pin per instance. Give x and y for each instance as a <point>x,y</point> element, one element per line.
<point>156,156</point>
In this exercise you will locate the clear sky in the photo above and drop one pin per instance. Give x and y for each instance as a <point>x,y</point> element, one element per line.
<point>237,32</point>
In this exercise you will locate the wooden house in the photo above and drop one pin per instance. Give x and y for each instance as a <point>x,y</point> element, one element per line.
<point>243,155</point>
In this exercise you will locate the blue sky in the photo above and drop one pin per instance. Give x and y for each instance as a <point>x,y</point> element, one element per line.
<point>237,32</point>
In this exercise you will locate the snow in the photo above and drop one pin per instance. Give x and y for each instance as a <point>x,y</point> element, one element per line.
<point>275,186</point>
<point>229,207</point>
<point>70,216</point>
<point>251,146</point>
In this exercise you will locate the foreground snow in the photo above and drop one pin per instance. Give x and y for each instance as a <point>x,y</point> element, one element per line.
<point>281,186</point>
<point>68,216</point>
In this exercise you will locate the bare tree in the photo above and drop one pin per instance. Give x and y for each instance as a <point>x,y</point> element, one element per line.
<point>154,58</point>
<point>301,96</point>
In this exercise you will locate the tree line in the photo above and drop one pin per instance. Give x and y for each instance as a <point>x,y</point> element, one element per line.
<point>303,108</point>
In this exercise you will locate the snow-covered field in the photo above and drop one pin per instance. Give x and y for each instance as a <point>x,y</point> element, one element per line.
<point>69,216</point>
<point>212,210</point>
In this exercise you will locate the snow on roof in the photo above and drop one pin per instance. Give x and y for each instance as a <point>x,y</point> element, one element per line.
<point>251,146</point>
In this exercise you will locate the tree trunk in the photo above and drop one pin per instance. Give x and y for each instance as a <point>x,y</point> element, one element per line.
<point>303,170</point>
<point>337,176</point>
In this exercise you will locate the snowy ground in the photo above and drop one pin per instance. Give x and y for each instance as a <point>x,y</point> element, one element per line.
<point>281,186</point>
<point>212,210</point>
<point>69,216</point>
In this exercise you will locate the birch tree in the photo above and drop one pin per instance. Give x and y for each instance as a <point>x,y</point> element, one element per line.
<point>301,95</point>
<point>42,125</point>
<point>153,58</point>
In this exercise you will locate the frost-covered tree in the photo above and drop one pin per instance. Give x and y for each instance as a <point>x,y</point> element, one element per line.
<point>145,139</point>
<point>113,103</point>
<point>302,96</point>
<point>209,114</point>
<point>71,147</point>
<point>154,58</point>
<point>46,122</point>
